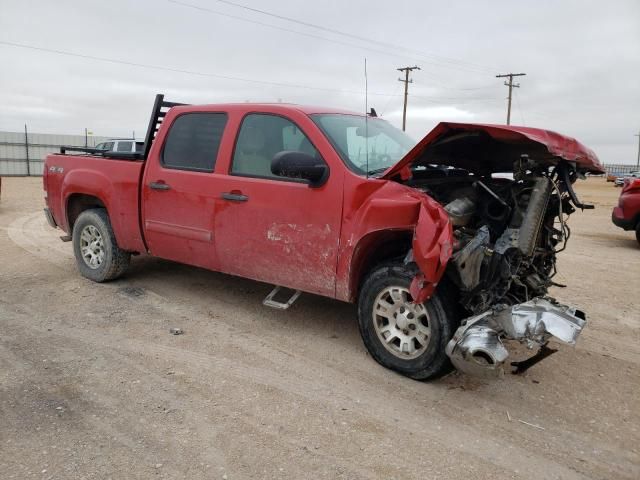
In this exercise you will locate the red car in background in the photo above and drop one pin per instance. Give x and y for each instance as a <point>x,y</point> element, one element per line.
<point>627,214</point>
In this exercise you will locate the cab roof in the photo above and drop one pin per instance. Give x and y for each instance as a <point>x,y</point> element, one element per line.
<point>266,107</point>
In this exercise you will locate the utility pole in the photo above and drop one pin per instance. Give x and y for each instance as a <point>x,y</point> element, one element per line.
<point>638,161</point>
<point>511,86</point>
<point>26,147</point>
<point>406,81</point>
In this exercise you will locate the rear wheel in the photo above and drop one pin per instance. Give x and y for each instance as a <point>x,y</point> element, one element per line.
<point>401,335</point>
<point>94,245</point>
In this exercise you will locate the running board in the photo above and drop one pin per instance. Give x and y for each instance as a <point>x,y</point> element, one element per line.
<point>270,302</point>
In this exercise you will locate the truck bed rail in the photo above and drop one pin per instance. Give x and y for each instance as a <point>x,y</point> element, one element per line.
<point>104,153</point>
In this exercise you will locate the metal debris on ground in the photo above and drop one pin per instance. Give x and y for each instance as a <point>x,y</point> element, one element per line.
<point>175,331</point>
<point>531,424</point>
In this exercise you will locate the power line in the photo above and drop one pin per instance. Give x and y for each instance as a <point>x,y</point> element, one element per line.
<point>519,107</point>
<point>209,75</point>
<point>407,71</point>
<point>511,86</point>
<point>345,34</point>
<point>386,105</point>
<point>441,84</point>
<point>277,27</point>
<point>425,58</point>
<point>178,70</point>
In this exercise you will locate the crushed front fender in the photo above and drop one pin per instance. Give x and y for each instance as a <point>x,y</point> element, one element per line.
<point>383,205</point>
<point>432,249</point>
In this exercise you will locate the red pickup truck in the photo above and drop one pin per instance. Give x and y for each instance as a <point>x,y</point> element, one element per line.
<point>445,255</point>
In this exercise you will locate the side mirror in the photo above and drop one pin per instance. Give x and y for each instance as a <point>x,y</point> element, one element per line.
<point>300,165</point>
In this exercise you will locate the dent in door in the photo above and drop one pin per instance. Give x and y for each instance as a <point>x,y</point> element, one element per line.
<point>309,245</point>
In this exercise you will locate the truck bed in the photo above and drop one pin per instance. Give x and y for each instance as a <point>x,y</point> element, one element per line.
<point>112,182</point>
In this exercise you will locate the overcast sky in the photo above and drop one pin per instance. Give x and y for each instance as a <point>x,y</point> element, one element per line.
<point>582,60</point>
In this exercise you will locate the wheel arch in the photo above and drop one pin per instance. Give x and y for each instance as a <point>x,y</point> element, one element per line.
<point>77,203</point>
<point>373,249</point>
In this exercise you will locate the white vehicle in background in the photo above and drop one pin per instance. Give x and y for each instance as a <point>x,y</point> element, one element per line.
<point>122,145</point>
<point>619,181</point>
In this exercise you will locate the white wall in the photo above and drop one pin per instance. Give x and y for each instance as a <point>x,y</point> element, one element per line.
<point>13,152</point>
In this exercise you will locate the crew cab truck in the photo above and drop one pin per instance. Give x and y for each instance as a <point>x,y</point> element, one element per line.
<point>446,260</point>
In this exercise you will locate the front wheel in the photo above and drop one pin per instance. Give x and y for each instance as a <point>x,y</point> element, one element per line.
<point>401,335</point>
<point>97,253</point>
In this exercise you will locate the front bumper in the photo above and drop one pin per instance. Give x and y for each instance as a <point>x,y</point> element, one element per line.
<point>477,346</point>
<point>617,217</point>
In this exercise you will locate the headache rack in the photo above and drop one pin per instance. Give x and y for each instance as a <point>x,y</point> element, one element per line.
<point>157,116</point>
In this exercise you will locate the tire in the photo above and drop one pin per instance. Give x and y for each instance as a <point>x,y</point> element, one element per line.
<point>439,316</point>
<point>94,245</point>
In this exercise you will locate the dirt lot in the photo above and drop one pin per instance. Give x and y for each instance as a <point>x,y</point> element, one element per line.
<point>93,386</point>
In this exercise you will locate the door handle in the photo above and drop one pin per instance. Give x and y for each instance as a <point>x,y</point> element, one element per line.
<point>235,196</point>
<point>159,186</point>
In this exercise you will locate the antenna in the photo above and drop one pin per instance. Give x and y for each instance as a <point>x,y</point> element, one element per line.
<point>366,116</point>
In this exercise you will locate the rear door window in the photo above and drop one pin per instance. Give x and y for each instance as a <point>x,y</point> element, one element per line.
<point>125,146</point>
<point>193,141</point>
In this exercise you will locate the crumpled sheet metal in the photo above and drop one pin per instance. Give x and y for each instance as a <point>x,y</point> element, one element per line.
<point>529,141</point>
<point>432,249</point>
<point>476,347</point>
<point>387,205</point>
<point>539,317</point>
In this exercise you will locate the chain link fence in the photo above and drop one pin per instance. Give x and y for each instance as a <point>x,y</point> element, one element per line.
<point>618,169</point>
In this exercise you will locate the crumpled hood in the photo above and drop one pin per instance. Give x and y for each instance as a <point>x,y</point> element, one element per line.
<point>486,149</point>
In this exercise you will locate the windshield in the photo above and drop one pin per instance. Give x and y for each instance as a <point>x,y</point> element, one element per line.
<point>367,147</point>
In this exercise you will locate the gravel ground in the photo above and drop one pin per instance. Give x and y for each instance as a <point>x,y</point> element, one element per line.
<point>92,385</point>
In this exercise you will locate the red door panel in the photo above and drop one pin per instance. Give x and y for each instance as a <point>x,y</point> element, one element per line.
<point>284,233</point>
<point>272,229</point>
<point>178,220</point>
<point>178,198</point>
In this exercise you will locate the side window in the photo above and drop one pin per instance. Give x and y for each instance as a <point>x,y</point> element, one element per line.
<point>108,146</point>
<point>124,146</point>
<point>193,141</point>
<point>139,147</point>
<point>261,137</point>
<point>100,146</point>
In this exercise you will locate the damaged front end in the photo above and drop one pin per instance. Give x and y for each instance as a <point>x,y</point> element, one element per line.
<point>508,194</point>
<point>477,347</point>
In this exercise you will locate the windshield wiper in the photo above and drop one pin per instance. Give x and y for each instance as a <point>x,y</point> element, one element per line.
<point>376,171</point>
